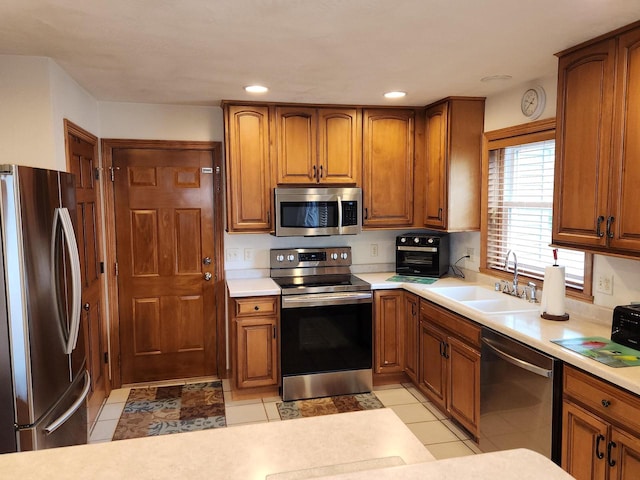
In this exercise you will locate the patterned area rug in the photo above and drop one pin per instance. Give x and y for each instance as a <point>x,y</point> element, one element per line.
<point>180,408</point>
<point>328,405</point>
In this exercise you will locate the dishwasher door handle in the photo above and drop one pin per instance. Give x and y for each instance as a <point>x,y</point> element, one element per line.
<point>543,372</point>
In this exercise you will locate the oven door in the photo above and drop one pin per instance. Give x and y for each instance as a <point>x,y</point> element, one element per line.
<point>324,338</point>
<point>420,261</point>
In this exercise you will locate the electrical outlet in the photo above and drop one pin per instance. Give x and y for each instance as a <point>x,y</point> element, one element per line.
<point>470,253</point>
<point>605,284</point>
<point>374,249</point>
<point>232,255</point>
<point>248,254</point>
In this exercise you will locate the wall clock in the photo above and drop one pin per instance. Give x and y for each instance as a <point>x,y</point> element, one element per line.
<point>533,101</point>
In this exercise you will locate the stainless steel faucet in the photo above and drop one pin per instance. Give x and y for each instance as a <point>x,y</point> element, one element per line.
<point>514,291</point>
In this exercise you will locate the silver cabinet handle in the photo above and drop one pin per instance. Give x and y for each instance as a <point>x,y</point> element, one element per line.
<point>208,276</point>
<point>206,261</point>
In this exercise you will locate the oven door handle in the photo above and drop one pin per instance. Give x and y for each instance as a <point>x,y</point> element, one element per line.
<point>322,299</point>
<point>543,372</point>
<point>417,249</point>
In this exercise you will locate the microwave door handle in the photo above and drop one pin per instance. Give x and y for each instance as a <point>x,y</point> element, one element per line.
<point>339,215</point>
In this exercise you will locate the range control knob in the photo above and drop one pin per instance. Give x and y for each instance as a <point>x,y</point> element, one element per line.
<point>430,240</point>
<point>416,240</point>
<point>403,240</point>
<point>344,255</point>
<point>280,258</point>
<point>334,256</point>
<point>291,258</point>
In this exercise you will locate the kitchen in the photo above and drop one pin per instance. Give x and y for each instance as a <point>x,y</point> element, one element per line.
<point>51,92</point>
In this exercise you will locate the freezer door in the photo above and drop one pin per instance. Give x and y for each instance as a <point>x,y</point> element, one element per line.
<point>65,424</point>
<point>39,315</point>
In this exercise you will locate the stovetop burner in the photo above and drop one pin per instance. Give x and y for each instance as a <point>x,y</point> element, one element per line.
<point>318,270</point>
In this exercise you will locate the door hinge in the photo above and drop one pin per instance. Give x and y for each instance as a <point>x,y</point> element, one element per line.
<point>115,270</point>
<point>96,173</point>
<point>106,357</point>
<point>101,267</point>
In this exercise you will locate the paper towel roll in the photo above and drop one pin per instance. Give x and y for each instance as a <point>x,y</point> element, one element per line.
<point>553,291</point>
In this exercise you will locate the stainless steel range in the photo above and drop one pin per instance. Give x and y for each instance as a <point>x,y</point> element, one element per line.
<point>326,342</point>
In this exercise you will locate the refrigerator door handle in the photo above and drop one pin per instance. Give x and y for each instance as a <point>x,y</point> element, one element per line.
<point>62,215</point>
<point>57,423</point>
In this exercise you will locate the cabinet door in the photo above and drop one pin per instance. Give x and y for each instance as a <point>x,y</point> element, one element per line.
<point>411,331</point>
<point>435,207</point>
<point>257,352</point>
<point>584,443</point>
<point>389,313</point>
<point>388,168</point>
<point>583,145</point>
<point>339,146</point>
<point>625,194</point>
<point>296,154</point>
<point>248,169</point>
<point>625,456</point>
<point>464,384</point>
<point>433,367</point>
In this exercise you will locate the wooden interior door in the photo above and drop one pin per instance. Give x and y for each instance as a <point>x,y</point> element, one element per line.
<point>82,161</point>
<point>164,217</point>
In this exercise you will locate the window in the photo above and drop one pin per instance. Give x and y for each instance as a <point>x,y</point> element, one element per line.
<point>518,204</point>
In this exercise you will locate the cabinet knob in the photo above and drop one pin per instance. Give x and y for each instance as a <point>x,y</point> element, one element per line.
<point>256,308</point>
<point>208,276</point>
<point>605,403</point>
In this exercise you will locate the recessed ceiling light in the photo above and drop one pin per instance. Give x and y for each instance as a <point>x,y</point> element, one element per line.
<point>395,94</point>
<point>494,78</point>
<point>256,89</point>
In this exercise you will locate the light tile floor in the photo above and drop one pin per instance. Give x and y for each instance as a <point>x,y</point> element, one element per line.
<point>439,435</point>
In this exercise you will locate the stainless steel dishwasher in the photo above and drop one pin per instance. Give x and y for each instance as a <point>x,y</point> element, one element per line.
<point>520,397</point>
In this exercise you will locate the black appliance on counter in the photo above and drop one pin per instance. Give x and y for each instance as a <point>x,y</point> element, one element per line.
<point>326,325</point>
<point>422,254</point>
<point>625,328</point>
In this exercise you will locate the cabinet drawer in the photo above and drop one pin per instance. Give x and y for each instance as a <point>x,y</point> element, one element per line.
<point>451,322</point>
<point>600,397</point>
<point>256,306</point>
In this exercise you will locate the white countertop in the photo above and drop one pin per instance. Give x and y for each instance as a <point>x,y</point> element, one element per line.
<point>239,452</point>
<point>527,327</point>
<point>366,444</point>
<point>517,464</point>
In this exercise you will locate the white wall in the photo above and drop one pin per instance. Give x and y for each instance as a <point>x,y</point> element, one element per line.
<point>26,133</point>
<point>160,122</point>
<point>69,100</point>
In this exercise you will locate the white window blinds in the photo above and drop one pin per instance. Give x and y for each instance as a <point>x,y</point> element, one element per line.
<point>520,208</point>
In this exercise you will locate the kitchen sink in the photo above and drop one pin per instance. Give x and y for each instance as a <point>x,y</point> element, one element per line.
<point>485,300</point>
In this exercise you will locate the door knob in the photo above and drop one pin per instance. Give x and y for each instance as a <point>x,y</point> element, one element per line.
<point>208,276</point>
<point>206,261</point>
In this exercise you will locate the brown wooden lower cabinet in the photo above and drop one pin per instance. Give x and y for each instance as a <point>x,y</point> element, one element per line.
<point>449,368</point>
<point>599,429</point>
<point>255,342</point>
<point>388,311</point>
<point>411,335</point>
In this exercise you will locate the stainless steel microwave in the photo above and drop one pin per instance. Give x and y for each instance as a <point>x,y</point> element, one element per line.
<point>316,211</point>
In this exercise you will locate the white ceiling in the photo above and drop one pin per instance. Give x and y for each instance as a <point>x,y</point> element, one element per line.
<point>199,52</point>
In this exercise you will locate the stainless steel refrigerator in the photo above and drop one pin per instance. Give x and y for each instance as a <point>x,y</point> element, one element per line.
<point>43,377</point>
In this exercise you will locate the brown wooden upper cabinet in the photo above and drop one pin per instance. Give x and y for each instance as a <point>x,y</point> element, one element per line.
<point>249,202</point>
<point>318,145</point>
<point>453,156</point>
<point>388,161</point>
<point>597,145</point>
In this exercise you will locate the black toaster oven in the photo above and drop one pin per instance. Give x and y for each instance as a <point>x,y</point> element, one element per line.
<point>625,328</point>
<point>422,254</point>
